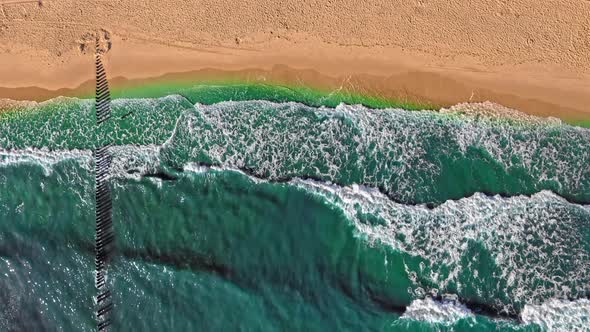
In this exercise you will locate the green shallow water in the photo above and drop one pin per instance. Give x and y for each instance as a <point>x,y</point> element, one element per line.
<point>339,218</point>
<point>218,91</point>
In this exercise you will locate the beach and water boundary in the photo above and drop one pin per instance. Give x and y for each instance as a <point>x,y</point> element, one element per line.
<point>214,91</point>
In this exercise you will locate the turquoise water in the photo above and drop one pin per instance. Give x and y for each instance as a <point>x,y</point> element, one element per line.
<point>263,216</point>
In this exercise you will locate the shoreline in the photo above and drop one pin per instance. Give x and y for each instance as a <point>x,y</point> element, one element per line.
<point>213,92</point>
<point>392,90</point>
<point>500,65</point>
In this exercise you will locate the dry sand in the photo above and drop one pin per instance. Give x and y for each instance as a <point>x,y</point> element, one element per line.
<point>527,54</point>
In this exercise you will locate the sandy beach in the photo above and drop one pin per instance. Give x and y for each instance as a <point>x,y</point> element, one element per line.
<point>525,55</point>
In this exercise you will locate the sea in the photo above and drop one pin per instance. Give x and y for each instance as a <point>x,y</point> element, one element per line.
<point>256,208</point>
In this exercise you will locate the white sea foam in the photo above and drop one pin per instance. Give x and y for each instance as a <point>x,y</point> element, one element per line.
<point>441,312</point>
<point>538,244</point>
<point>559,315</point>
<point>205,170</point>
<point>403,152</point>
<point>127,161</point>
<point>131,161</point>
<point>45,158</point>
<point>408,154</point>
<point>532,240</point>
<point>196,168</point>
<point>492,110</point>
